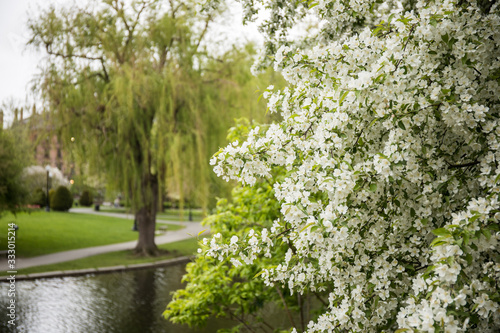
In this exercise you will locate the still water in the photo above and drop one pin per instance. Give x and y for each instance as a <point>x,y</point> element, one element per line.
<point>128,302</point>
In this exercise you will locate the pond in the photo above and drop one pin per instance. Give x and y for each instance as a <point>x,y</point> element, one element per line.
<point>127,302</point>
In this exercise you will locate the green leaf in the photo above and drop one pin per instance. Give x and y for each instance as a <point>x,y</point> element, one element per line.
<point>258,274</point>
<point>445,38</point>
<point>401,125</point>
<point>441,232</point>
<point>469,258</point>
<point>486,233</point>
<point>475,217</point>
<point>438,241</point>
<point>343,95</point>
<point>373,187</point>
<point>307,226</point>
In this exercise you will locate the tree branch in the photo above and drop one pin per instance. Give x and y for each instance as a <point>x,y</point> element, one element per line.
<point>240,320</point>
<point>404,47</point>
<point>320,299</point>
<point>301,309</point>
<point>286,307</point>
<point>283,232</point>
<point>209,18</point>
<point>104,70</point>
<point>69,56</point>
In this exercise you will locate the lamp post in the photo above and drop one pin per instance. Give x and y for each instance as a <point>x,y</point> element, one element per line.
<point>49,175</point>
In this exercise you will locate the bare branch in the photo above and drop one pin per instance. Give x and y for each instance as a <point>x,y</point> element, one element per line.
<point>286,306</point>
<point>240,320</point>
<point>207,22</point>
<point>69,56</point>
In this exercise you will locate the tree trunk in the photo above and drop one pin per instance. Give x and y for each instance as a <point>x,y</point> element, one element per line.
<point>146,217</point>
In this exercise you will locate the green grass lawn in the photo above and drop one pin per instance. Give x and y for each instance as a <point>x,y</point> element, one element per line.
<point>176,249</point>
<point>41,232</point>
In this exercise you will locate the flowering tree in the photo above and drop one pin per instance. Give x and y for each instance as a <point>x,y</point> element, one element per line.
<point>390,142</point>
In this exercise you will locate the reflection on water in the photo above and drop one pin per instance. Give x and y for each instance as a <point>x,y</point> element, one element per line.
<point>127,302</point>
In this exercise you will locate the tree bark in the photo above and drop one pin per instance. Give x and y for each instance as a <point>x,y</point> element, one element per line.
<point>146,217</point>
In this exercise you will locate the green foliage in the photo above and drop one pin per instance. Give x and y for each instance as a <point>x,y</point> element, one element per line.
<point>86,199</point>
<point>62,199</point>
<point>12,192</point>
<point>39,197</point>
<point>221,289</point>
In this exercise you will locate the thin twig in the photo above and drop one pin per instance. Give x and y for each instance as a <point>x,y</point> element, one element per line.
<point>240,320</point>
<point>66,56</point>
<point>404,47</point>
<point>207,22</point>
<point>301,309</point>
<point>320,299</point>
<point>286,307</point>
<point>307,130</point>
<point>283,232</point>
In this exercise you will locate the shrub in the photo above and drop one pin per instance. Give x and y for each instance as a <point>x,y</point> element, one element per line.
<point>86,198</point>
<point>62,199</point>
<point>39,197</point>
<point>51,194</point>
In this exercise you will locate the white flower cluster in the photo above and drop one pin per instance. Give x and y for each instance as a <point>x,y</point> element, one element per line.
<point>36,177</point>
<point>391,144</point>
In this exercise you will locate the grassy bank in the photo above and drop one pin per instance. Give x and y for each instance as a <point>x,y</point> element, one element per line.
<point>172,250</point>
<point>43,232</point>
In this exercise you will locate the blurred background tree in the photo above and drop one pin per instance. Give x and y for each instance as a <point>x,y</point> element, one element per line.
<point>13,193</point>
<point>132,87</point>
<point>15,155</point>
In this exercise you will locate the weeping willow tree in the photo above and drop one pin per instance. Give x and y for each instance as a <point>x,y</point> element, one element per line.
<point>138,98</point>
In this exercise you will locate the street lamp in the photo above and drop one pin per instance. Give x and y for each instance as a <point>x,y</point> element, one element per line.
<point>49,175</point>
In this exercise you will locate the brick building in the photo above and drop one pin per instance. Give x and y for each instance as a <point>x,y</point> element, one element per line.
<point>47,150</point>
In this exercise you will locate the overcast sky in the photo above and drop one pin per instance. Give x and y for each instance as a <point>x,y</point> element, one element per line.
<point>18,65</point>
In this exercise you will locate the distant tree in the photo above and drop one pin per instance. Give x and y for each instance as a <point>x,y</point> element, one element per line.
<point>13,194</point>
<point>134,86</point>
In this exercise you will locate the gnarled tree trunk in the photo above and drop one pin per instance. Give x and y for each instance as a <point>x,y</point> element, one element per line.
<point>146,217</point>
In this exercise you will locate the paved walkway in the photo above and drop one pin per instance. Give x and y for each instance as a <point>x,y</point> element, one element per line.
<point>191,230</point>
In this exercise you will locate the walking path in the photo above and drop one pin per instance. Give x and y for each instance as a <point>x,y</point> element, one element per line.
<point>191,230</point>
